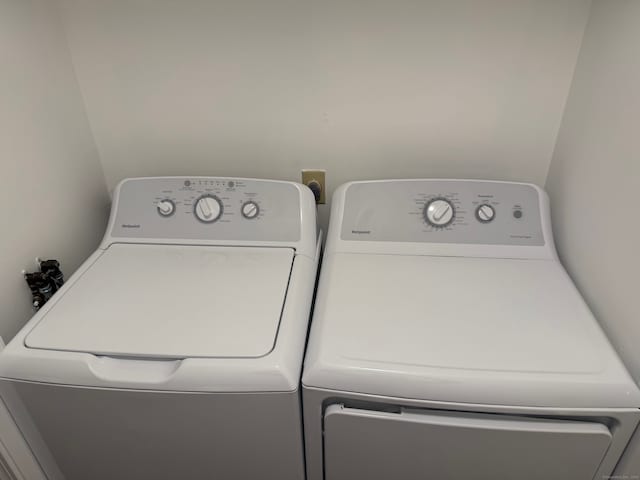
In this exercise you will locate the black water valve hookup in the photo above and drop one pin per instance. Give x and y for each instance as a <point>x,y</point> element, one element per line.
<point>51,268</point>
<point>45,283</point>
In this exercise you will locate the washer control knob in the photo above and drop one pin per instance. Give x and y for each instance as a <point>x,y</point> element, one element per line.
<point>208,208</point>
<point>439,212</point>
<point>250,210</point>
<point>166,207</point>
<point>485,213</point>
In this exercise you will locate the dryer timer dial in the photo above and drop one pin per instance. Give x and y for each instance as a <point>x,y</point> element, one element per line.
<point>439,212</point>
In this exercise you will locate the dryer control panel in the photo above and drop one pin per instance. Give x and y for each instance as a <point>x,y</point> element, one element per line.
<point>208,208</point>
<point>443,211</point>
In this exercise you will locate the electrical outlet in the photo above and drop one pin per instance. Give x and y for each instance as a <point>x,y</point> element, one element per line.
<point>314,179</point>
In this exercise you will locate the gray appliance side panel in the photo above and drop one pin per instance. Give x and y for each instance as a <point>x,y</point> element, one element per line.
<point>101,434</point>
<point>417,446</point>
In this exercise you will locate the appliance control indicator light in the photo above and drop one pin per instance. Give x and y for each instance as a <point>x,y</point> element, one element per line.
<point>439,212</point>
<point>166,207</point>
<point>485,213</point>
<point>208,208</point>
<point>250,210</point>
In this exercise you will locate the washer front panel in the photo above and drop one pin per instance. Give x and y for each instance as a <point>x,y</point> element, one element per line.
<point>396,211</point>
<point>277,218</point>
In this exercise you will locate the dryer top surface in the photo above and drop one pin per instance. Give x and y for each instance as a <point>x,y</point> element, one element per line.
<point>478,330</point>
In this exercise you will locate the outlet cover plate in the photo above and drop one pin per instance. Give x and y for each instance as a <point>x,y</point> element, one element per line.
<point>319,176</point>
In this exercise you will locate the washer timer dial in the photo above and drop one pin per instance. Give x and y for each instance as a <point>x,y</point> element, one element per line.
<point>208,208</point>
<point>439,212</point>
<point>250,210</point>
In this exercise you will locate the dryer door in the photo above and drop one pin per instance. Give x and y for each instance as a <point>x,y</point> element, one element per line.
<point>434,445</point>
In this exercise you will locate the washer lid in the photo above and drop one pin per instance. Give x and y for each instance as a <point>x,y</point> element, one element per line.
<point>171,301</point>
<point>472,330</point>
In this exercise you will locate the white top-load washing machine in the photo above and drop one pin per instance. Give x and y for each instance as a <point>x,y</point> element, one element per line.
<point>448,343</point>
<point>175,351</point>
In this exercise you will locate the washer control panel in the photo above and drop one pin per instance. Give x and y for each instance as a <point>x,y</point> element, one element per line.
<point>443,211</point>
<point>205,208</point>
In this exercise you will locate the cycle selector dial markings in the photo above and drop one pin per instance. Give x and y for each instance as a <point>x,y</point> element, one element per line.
<point>208,208</point>
<point>439,212</point>
<point>166,207</point>
<point>250,210</point>
<point>485,213</point>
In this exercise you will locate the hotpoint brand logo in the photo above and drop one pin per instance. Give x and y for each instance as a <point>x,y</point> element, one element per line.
<point>130,225</point>
<point>361,232</point>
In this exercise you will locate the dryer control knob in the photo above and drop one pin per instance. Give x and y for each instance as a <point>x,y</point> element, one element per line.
<point>250,210</point>
<point>166,207</point>
<point>208,208</point>
<point>485,213</point>
<point>439,212</point>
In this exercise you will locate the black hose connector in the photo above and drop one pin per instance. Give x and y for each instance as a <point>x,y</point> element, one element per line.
<point>51,268</point>
<point>316,189</point>
<point>45,283</point>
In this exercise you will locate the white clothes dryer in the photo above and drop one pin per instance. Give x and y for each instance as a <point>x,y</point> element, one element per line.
<point>175,351</point>
<point>448,342</point>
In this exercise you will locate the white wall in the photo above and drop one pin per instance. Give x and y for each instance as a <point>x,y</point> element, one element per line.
<point>594,179</point>
<point>365,89</point>
<point>52,188</point>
